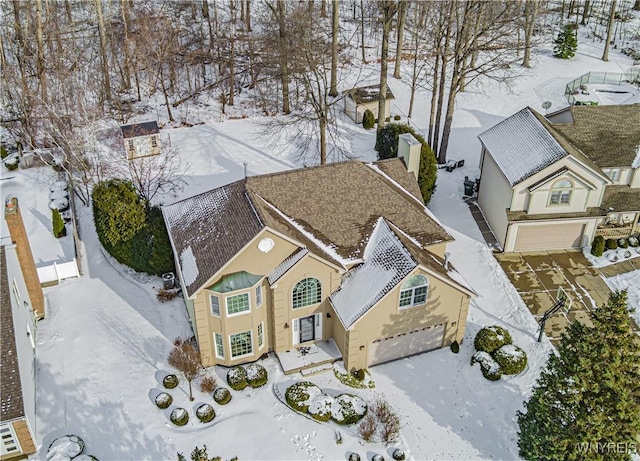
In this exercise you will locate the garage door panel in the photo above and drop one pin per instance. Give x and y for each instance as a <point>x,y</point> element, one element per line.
<point>549,237</point>
<point>405,344</point>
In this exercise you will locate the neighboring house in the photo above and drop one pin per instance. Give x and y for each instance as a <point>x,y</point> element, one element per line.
<point>17,357</point>
<point>343,253</point>
<point>358,100</point>
<point>556,182</point>
<point>141,139</point>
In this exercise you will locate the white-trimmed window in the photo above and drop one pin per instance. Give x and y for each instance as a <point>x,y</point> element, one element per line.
<point>154,141</point>
<point>9,444</point>
<point>414,292</point>
<point>260,335</point>
<point>237,304</point>
<point>614,174</point>
<point>241,344</point>
<point>258,296</point>
<point>219,345</point>
<point>132,146</point>
<point>215,306</point>
<point>306,292</point>
<point>561,192</point>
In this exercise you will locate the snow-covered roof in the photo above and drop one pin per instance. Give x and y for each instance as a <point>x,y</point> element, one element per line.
<point>287,264</point>
<point>386,263</point>
<point>521,146</point>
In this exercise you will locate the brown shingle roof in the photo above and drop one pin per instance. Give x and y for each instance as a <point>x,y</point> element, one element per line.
<point>366,94</point>
<point>621,198</point>
<point>524,216</point>
<point>140,129</point>
<point>609,135</point>
<point>337,205</point>
<point>11,403</point>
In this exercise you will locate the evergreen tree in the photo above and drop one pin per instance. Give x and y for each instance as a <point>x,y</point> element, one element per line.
<point>566,44</point>
<point>586,404</point>
<point>118,212</point>
<point>58,224</point>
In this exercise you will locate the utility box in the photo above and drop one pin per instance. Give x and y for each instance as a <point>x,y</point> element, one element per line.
<point>409,150</point>
<point>169,281</point>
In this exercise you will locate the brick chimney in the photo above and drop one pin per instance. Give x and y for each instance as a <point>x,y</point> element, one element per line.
<point>25,257</point>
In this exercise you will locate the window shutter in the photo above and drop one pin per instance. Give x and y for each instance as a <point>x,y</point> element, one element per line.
<point>295,325</point>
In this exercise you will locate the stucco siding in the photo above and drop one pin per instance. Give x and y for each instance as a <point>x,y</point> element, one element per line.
<point>445,305</point>
<point>635,180</point>
<point>494,197</point>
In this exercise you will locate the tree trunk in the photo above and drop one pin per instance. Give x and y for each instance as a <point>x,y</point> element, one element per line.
<point>205,14</point>
<point>103,51</point>
<point>414,73</point>
<point>530,16</point>
<point>636,5</point>
<point>335,28</point>
<point>402,13</point>
<point>364,57</point>
<point>165,94</point>
<point>388,11</point>
<point>323,139</point>
<point>284,66</point>
<point>232,66</point>
<point>124,8</point>
<point>247,15</point>
<point>448,120</point>
<point>585,13</point>
<point>42,76</point>
<point>612,20</point>
<point>323,8</point>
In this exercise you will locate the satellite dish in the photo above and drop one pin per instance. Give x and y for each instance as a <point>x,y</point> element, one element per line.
<point>546,104</point>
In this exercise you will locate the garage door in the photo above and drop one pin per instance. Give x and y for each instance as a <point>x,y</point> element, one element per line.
<point>549,237</point>
<point>398,346</point>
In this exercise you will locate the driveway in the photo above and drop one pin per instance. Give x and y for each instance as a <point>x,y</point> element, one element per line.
<point>537,276</point>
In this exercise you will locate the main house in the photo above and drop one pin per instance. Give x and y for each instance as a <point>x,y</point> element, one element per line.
<point>343,253</point>
<point>557,181</point>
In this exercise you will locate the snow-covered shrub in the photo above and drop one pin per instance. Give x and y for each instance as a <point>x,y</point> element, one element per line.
<point>367,428</point>
<point>170,381</point>
<point>85,457</point>
<point>222,396</point>
<point>398,454</point>
<point>377,457</point>
<point>511,358</point>
<point>633,242</point>
<point>207,384</point>
<point>353,456</point>
<point>622,243</point>
<point>256,375</point>
<point>491,338</point>
<point>612,244</point>
<point>12,164</point>
<point>300,395</point>
<point>65,447</point>
<point>455,347</point>
<point>349,378</point>
<point>348,409</point>
<point>359,374</point>
<point>179,416</point>
<point>320,408</point>
<point>237,378</point>
<point>205,413</point>
<point>368,120</point>
<point>597,247</point>
<point>490,368</point>
<point>389,422</point>
<point>163,400</point>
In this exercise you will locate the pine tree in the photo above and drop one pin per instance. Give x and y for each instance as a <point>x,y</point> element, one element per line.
<point>586,404</point>
<point>58,224</point>
<point>566,44</point>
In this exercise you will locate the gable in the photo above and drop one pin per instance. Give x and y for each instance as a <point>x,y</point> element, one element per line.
<point>139,129</point>
<point>562,173</point>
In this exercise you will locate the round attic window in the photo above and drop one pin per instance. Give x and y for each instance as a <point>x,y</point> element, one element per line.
<point>265,245</point>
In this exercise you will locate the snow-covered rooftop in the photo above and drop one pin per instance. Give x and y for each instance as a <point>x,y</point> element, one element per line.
<point>286,265</point>
<point>521,146</point>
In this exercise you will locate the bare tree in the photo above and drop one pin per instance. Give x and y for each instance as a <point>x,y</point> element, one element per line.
<point>402,14</point>
<point>388,8</point>
<point>335,30</point>
<point>186,359</point>
<point>612,19</point>
<point>530,16</point>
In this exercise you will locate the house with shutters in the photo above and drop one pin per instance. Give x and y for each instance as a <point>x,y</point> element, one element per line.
<point>557,181</point>
<point>343,256</point>
<point>141,139</point>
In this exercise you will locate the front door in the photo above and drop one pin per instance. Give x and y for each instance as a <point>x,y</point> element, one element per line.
<point>307,329</point>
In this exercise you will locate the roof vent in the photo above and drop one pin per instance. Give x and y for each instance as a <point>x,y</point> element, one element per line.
<point>266,244</point>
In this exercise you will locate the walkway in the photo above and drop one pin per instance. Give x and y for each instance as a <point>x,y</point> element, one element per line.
<point>487,234</point>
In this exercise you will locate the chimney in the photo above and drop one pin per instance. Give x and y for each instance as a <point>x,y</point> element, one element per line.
<point>409,150</point>
<point>19,236</point>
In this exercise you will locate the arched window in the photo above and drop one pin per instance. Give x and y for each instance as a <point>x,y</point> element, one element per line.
<point>561,192</point>
<point>414,291</point>
<point>306,292</point>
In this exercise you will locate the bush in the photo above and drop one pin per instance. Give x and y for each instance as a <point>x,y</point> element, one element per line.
<point>170,381</point>
<point>367,428</point>
<point>237,378</point>
<point>12,164</point>
<point>222,396</point>
<point>597,247</point>
<point>623,243</point>
<point>387,147</point>
<point>59,229</point>
<point>612,244</point>
<point>179,417</point>
<point>300,395</point>
<point>368,120</point>
<point>166,295</point>
<point>397,117</point>
<point>490,368</point>
<point>256,375</point>
<point>350,379</point>
<point>163,400</point>
<point>377,457</point>
<point>633,242</point>
<point>490,339</point>
<point>351,409</point>
<point>207,384</point>
<point>455,347</point>
<point>389,421</point>
<point>359,374</point>
<point>3,152</point>
<point>398,454</point>
<point>205,413</point>
<point>354,456</point>
<point>511,358</point>
<point>320,408</point>
<point>65,447</point>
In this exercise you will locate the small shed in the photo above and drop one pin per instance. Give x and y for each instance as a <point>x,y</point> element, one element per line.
<point>358,100</point>
<point>141,139</point>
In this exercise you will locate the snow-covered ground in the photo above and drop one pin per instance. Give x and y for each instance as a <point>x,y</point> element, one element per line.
<point>101,352</point>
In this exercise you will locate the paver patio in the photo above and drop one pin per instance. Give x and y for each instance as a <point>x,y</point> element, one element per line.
<point>537,276</point>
